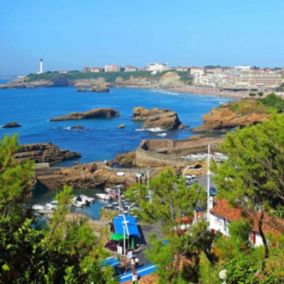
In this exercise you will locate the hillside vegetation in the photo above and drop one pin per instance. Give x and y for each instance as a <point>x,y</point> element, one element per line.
<point>59,78</point>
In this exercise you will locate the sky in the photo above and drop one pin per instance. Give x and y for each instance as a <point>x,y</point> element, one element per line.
<point>70,34</point>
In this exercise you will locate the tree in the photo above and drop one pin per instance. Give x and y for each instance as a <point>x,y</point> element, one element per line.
<point>167,202</point>
<point>65,250</point>
<point>252,177</point>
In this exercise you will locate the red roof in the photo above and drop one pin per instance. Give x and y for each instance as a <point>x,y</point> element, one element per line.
<point>270,224</point>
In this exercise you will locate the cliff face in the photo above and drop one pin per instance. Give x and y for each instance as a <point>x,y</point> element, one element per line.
<point>169,79</point>
<point>233,115</point>
<point>97,85</point>
<point>44,153</point>
<point>162,118</point>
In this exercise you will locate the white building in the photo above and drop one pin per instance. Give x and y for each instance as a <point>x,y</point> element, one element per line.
<point>40,66</point>
<point>222,214</point>
<point>243,67</point>
<point>198,75</point>
<point>129,68</point>
<point>112,68</point>
<point>157,67</point>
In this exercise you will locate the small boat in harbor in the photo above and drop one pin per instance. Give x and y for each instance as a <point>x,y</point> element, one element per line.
<point>103,196</point>
<point>82,200</point>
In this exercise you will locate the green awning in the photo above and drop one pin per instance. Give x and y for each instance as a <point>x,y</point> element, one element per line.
<point>118,237</point>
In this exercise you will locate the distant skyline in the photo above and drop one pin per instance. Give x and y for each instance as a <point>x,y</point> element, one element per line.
<point>69,34</point>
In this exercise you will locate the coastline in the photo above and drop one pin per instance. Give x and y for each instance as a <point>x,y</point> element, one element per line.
<point>194,90</point>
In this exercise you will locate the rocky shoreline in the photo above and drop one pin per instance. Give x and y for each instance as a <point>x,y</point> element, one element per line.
<point>170,81</point>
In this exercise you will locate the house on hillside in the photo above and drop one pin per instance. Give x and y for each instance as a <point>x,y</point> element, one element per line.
<point>129,68</point>
<point>223,213</point>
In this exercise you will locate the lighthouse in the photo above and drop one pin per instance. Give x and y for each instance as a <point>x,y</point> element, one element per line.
<point>40,66</point>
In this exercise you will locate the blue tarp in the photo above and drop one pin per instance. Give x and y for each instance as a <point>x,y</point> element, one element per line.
<point>110,261</point>
<point>126,224</point>
<point>141,271</point>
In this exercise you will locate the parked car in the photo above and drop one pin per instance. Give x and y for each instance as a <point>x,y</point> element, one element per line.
<point>189,179</point>
<point>212,191</point>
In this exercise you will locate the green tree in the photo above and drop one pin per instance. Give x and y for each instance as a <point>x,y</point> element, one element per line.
<point>166,202</point>
<point>66,250</point>
<point>252,177</point>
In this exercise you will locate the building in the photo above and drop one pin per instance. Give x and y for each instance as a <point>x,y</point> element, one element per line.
<point>40,66</point>
<point>238,78</point>
<point>157,67</point>
<point>112,68</point>
<point>181,69</point>
<point>222,214</point>
<point>92,69</point>
<point>253,79</point>
<point>198,75</point>
<point>130,68</point>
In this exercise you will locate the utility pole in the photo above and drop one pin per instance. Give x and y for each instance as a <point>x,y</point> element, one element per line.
<point>208,182</point>
<point>148,186</point>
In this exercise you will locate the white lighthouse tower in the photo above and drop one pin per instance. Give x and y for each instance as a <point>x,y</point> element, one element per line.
<point>40,66</point>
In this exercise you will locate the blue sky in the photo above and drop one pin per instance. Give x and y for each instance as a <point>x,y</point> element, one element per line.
<point>69,34</point>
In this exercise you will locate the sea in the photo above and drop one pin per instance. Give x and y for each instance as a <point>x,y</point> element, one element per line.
<point>101,139</point>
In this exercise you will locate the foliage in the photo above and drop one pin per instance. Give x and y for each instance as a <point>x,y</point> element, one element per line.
<point>273,101</point>
<point>252,177</point>
<point>65,251</point>
<point>166,202</point>
<point>241,270</point>
<point>244,107</point>
<point>64,79</point>
<point>281,88</point>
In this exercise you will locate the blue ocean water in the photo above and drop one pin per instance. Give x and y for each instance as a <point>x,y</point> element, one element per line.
<point>101,140</point>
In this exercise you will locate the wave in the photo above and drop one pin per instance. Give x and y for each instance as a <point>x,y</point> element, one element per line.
<point>154,129</point>
<point>162,134</point>
<point>165,92</point>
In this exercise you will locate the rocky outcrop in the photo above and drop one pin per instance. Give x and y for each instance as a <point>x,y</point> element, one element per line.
<point>82,176</point>
<point>92,114</point>
<point>77,127</point>
<point>22,84</point>
<point>44,153</point>
<point>11,125</point>
<point>98,86</point>
<point>157,118</point>
<point>126,159</point>
<point>227,117</point>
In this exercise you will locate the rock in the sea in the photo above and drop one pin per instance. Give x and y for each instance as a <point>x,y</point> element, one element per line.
<point>121,126</point>
<point>126,159</point>
<point>77,127</point>
<point>95,89</point>
<point>92,114</point>
<point>44,153</point>
<point>11,125</point>
<point>236,114</point>
<point>164,119</point>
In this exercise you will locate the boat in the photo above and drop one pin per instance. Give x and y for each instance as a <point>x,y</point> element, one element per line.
<point>51,206</point>
<point>37,207</point>
<point>108,190</point>
<point>103,196</point>
<point>82,200</point>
